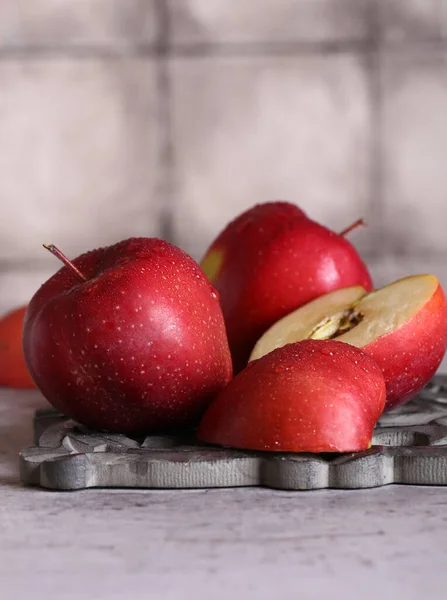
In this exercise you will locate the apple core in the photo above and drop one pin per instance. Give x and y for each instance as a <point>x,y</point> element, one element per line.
<point>331,327</point>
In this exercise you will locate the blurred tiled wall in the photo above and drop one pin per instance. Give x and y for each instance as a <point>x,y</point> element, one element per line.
<point>168,117</point>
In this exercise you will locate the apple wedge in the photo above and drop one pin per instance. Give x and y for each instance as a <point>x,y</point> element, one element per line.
<point>403,326</point>
<point>312,396</point>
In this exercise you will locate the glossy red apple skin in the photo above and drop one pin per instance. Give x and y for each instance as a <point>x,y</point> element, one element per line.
<point>140,347</point>
<point>13,371</point>
<point>310,396</point>
<point>274,259</point>
<point>411,355</point>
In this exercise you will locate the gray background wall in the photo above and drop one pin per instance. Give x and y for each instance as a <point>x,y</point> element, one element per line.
<point>140,117</point>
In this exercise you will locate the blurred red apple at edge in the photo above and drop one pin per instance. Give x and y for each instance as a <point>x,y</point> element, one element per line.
<point>13,371</point>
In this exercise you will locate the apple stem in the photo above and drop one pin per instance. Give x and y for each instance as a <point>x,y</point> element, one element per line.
<point>358,223</point>
<point>61,256</point>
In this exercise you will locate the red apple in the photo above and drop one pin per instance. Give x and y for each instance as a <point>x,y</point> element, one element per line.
<point>128,338</point>
<point>403,326</point>
<point>271,260</point>
<point>312,396</point>
<point>13,371</point>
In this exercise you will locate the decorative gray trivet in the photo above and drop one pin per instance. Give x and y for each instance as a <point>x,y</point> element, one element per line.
<point>409,446</point>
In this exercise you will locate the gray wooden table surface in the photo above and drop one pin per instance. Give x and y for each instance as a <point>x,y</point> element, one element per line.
<point>388,542</point>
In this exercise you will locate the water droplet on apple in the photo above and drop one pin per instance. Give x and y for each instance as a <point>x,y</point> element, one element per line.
<point>326,352</point>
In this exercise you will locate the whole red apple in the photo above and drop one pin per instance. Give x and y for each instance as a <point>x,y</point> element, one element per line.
<point>13,371</point>
<point>128,338</point>
<point>311,396</point>
<point>271,260</point>
<point>403,326</point>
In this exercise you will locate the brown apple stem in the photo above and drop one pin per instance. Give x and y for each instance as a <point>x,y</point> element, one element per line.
<point>358,223</point>
<point>61,256</point>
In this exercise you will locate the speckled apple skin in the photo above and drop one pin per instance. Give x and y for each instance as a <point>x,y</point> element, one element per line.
<point>274,260</point>
<point>141,347</point>
<point>411,355</point>
<point>310,396</point>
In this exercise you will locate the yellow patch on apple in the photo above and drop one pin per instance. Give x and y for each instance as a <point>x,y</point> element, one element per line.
<point>212,263</point>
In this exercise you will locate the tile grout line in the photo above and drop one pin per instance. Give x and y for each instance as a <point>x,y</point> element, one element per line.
<point>163,45</point>
<point>376,200</point>
<point>166,149</point>
<point>266,48</point>
<point>85,52</point>
<point>199,50</point>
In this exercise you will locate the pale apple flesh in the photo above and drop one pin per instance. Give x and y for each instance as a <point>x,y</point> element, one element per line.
<point>403,326</point>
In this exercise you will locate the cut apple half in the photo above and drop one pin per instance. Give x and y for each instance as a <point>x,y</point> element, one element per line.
<point>403,326</point>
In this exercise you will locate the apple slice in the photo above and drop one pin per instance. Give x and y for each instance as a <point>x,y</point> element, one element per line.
<point>403,326</point>
<point>312,396</point>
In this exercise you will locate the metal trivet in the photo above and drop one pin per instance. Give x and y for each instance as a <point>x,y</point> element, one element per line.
<point>409,446</point>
